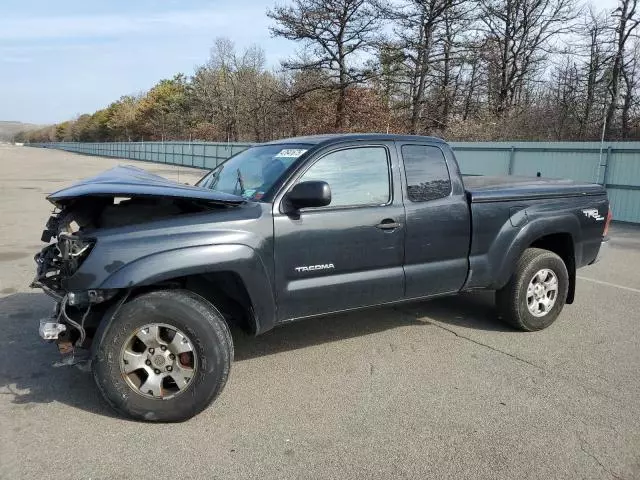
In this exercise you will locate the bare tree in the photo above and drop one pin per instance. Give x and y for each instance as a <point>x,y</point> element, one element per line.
<point>335,33</point>
<point>519,33</point>
<point>630,86</point>
<point>234,96</point>
<point>415,25</point>
<point>628,20</point>
<point>563,99</point>
<point>594,33</point>
<point>472,60</point>
<point>450,70</point>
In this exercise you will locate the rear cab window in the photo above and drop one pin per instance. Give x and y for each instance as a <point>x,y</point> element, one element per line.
<point>427,175</point>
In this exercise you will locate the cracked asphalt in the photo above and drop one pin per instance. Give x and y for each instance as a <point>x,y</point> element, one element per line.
<point>437,389</point>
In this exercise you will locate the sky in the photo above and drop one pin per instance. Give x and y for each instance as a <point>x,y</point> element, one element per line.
<point>59,59</point>
<point>68,57</point>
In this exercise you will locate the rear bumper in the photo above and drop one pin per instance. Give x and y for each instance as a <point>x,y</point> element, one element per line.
<point>604,248</point>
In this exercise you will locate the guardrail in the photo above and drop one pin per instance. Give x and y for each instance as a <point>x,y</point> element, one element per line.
<point>615,165</point>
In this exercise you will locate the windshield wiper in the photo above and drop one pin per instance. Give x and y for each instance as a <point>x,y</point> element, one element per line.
<point>240,181</point>
<point>210,180</point>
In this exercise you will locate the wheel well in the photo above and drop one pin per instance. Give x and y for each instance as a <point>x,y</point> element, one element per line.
<point>562,245</point>
<point>225,290</point>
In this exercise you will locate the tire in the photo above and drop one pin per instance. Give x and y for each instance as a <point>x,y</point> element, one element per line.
<point>512,300</point>
<point>208,351</point>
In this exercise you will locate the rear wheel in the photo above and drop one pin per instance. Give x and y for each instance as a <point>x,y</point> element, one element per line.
<point>536,292</point>
<point>164,357</point>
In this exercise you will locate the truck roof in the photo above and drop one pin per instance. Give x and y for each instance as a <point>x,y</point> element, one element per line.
<point>341,137</point>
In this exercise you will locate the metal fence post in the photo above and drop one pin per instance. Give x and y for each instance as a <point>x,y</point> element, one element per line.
<point>512,157</point>
<point>605,166</point>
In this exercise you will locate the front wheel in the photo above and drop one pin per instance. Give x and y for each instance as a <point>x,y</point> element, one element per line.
<point>536,292</point>
<point>164,357</point>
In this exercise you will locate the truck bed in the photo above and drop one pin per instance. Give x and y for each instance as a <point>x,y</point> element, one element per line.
<point>507,211</point>
<point>495,189</point>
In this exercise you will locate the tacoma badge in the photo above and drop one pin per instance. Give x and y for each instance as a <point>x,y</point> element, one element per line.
<point>326,266</point>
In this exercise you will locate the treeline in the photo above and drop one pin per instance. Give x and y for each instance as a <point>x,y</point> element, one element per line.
<point>461,69</point>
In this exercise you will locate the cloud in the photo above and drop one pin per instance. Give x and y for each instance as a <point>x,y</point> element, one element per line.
<point>29,49</point>
<point>8,59</point>
<point>101,26</point>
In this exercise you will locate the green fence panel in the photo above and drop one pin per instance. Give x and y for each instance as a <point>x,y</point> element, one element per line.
<point>614,164</point>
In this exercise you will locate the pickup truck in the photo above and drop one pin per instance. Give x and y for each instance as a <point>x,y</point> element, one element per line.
<point>148,273</point>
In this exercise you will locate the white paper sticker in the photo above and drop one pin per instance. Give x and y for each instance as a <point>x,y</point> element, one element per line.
<point>290,153</point>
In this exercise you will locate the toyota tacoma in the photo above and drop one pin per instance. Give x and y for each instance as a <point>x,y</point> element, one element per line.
<point>148,273</point>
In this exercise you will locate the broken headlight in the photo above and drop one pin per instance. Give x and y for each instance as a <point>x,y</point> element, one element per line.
<point>59,261</point>
<point>73,249</point>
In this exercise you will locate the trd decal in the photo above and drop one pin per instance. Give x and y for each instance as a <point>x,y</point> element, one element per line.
<point>593,213</point>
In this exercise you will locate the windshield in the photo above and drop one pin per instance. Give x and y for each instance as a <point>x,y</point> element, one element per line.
<point>253,172</point>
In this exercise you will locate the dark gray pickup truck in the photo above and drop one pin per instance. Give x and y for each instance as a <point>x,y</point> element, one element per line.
<point>148,273</point>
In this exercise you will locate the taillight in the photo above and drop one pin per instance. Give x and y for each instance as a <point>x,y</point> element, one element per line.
<point>606,225</point>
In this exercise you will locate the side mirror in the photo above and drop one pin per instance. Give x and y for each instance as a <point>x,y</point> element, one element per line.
<point>309,194</point>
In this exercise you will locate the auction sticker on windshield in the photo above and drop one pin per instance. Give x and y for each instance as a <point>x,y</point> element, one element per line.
<point>290,153</point>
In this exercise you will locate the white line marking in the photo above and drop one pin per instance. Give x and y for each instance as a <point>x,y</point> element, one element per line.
<point>609,284</point>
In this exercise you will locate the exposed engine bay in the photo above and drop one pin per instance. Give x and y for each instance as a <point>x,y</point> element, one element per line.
<point>77,314</point>
<point>73,224</point>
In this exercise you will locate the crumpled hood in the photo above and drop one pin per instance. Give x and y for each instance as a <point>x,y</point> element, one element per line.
<point>129,181</point>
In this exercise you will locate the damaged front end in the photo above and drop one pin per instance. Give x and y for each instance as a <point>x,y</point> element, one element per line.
<point>58,261</point>
<point>71,324</point>
<point>120,198</point>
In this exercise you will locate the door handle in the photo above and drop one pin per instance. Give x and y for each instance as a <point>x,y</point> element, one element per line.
<point>388,224</point>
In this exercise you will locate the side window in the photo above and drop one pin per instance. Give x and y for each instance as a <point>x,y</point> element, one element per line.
<point>427,173</point>
<point>357,176</point>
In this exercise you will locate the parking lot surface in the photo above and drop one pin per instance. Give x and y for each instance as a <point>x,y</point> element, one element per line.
<point>436,389</point>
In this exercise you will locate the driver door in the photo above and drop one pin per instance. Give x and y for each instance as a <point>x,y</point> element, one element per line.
<point>349,253</point>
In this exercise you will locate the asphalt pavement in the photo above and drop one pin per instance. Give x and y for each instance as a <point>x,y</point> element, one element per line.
<point>437,389</point>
